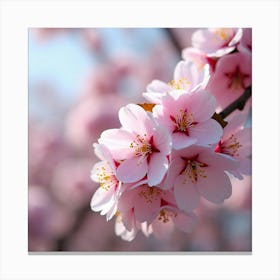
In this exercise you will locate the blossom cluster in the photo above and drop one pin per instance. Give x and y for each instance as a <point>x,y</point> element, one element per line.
<point>170,153</point>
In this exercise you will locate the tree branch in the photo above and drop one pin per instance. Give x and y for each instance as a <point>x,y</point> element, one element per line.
<point>239,103</point>
<point>174,40</point>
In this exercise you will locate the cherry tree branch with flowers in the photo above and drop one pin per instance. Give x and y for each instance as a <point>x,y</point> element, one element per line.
<point>183,145</point>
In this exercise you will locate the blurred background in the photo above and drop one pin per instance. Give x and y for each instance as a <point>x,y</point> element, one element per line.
<point>78,80</point>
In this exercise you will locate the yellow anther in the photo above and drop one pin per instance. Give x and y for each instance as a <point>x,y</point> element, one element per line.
<point>222,33</point>
<point>179,84</point>
<point>231,146</point>
<point>194,170</point>
<point>165,215</point>
<point>150,194</point>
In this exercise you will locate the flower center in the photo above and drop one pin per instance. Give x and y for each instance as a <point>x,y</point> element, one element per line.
<point>106,178</point>
<point>194,169</point>
<point>141,146</point>
<point>222,33</point>
<point>183,121</point>
<point>230,147</point>
<point>150,194</point>
<point>179,84</point>
<point>236,79</point>
<point>165,215</point>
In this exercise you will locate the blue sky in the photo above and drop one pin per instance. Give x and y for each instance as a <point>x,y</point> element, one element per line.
<point>64,62</point>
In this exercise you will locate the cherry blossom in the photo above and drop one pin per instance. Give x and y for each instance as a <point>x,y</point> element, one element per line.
<point>151,210</point>
<point>105,198</point>
<point>199,171</point>
<point>236,142</point>
<point>167,219</point>
<point>231,77</point>
<point>187,123</point>
<point>141,146</point>
<point>188,77</point>
<point>145,202</point>
<point>216,42</point>
<point>173,153</point>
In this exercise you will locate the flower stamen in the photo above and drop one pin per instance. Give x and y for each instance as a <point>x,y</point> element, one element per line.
<point>165,215</point>
<point>230,147</point>
<point>106,178</point>
<point>194,169</point>
<point>150,194</point>
<point>183,121</point>
<point>179,84</point>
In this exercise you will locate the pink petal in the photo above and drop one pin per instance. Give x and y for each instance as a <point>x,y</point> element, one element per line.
<point>216,187</point>
<point>146,229</point>
<point>133,118</point>
<point>146,206</point>
<point>181,140</point>
<point>132,170</point>
<point>111,213</point>
<point>158,86</point>
<point>157,168</point>
<point>175,168</point>
<point>162,230</point>
<point>234,124</point>
<point>195,102</point>
<point>101,198</point>
<point>162,140</point>
<point>154,97</point>
<point>185,222</point>
<point>117,141</point>
<point>104,154</point>
<point>128,220</point>
<point>245,166</point>
<point>219,161</point>
<point>162,116</point>
<point>186,70</point>
<point>181,70</point>
<point>125,234</point>
<point>186,195</point>
<point>208,132</point>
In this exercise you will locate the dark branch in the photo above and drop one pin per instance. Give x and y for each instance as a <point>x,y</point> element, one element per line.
<point>239,103</point>
<point>174,40</point>
<point>62,243</point>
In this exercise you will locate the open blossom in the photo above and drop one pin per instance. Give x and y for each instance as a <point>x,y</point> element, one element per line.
<point>187,78</point>
<point>236,142</point>
<point>231,77</point>
<point>106,197</point>
<point>170,154</point>
<point>144,201</point>
<point>152,210</point>
<point>141,146</point>
<point>216,42</point>
<point>199,171</point>
<point>169,218</point>
<point>185,119</point>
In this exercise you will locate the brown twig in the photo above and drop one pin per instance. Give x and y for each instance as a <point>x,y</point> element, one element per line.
<point>63,242</point>
<point>239,103</point>
<point>174,40</point>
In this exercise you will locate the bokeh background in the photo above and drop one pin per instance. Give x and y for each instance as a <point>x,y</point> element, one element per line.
<point>78,80</point>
